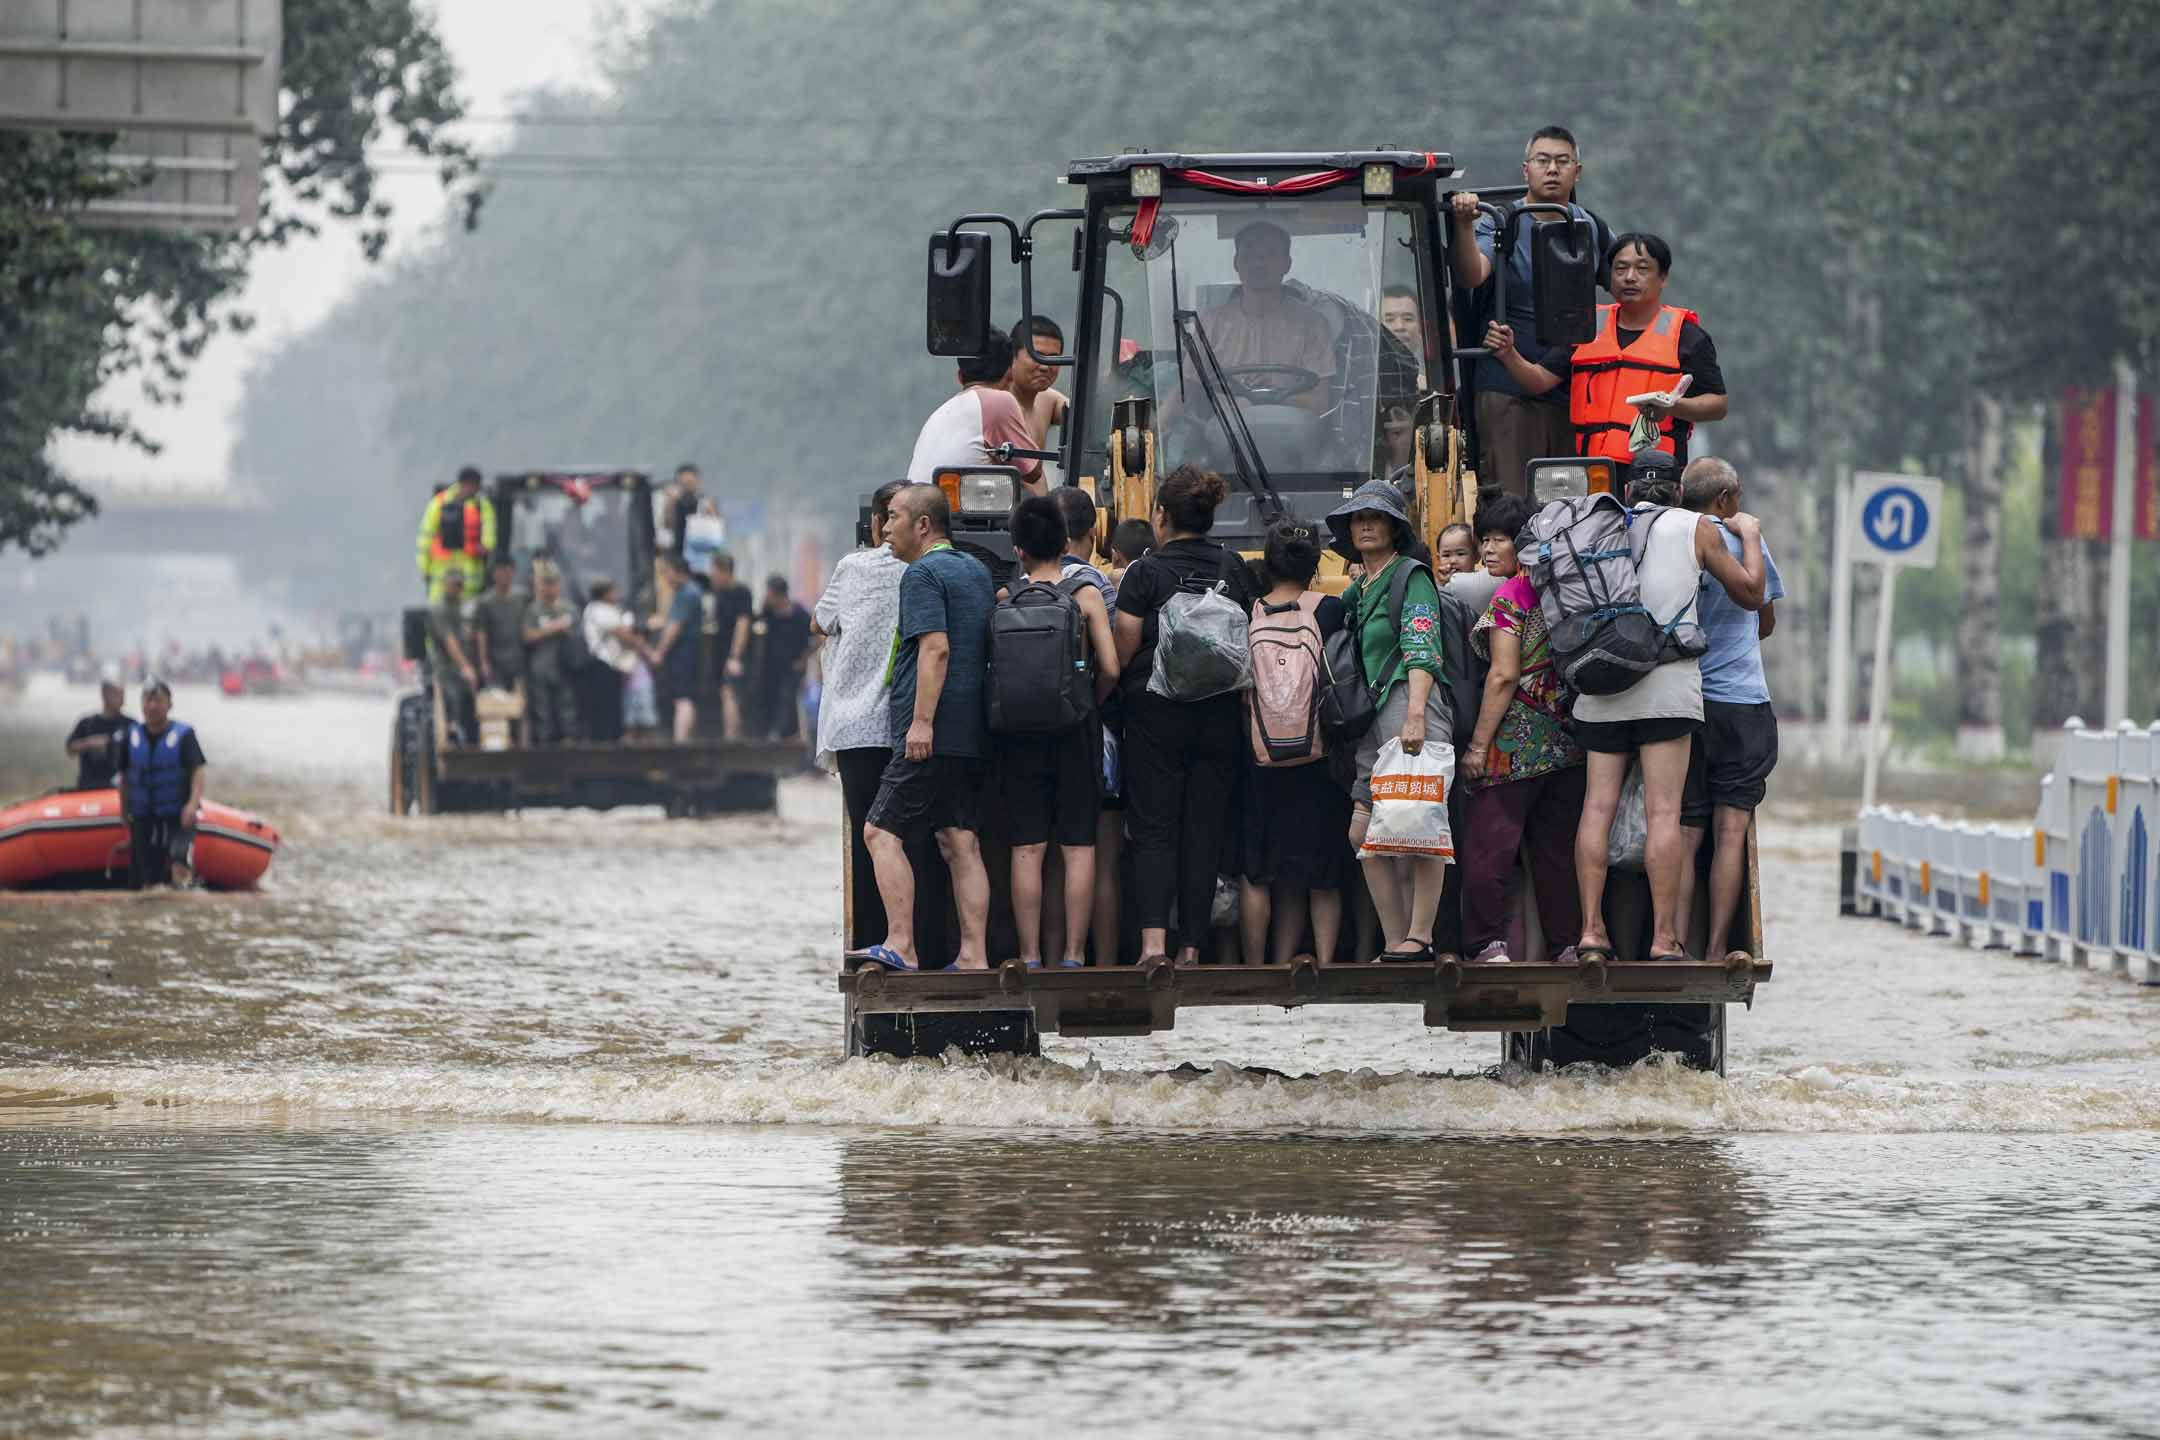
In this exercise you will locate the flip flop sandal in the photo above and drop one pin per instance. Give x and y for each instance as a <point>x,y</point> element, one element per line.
<point>882,956</point>
<point>1591,954</point>
<point>1675,957</point>
<point>1072,965</point>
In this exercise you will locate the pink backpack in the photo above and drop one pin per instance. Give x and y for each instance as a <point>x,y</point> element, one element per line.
<point>1284,702</point>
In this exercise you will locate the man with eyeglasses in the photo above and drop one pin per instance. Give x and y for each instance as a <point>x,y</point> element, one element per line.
<point>1514,425</point>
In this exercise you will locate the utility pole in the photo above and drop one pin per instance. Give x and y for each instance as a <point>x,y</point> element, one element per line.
<point>1837,703</point>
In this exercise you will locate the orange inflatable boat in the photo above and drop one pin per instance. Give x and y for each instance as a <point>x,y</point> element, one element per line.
<point>80,838</point>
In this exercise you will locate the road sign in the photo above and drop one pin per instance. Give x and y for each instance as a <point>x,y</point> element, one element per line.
<point>1897,519</point>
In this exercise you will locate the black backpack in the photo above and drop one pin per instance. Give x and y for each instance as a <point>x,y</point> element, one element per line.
<point>1462,669</point>
<point>1347,707</point>
<point>1041,679</point>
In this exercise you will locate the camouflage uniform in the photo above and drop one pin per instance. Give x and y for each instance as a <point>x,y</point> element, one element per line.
<point>448,618</point>
<point>550,690</point>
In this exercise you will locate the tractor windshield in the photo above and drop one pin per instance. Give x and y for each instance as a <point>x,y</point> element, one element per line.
<point>586,531</point>
<point>1288,335</point>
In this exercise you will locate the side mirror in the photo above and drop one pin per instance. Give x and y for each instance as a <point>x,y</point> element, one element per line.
<point>959,293</point>
<point>1563,270</point>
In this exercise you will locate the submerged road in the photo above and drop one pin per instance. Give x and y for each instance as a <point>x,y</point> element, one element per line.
<point>536,1125</point>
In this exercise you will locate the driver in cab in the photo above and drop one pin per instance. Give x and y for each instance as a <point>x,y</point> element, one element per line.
<point>1262,328</point>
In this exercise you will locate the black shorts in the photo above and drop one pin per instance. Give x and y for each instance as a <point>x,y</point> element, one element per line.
<point>1051,786</point>
<point>918,796</point>
<point>1742,742</point>
<point>1625,737</point>
<point>1695,793</point>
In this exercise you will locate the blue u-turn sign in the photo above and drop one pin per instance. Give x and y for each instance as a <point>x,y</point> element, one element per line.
<point>1897,518</point>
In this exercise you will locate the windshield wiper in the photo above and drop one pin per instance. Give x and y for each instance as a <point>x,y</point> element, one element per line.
<point>1244,453</point>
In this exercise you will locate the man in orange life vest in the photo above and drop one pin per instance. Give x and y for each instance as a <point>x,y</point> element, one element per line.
<point>1642,347</point>
<point>457,531</point>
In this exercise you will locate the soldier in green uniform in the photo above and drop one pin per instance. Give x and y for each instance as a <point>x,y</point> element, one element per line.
<point>450,649</point>
<point>550,674</point>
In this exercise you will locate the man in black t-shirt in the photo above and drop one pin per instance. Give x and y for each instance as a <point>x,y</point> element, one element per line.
<point>96,739</point>
<point>730,631</point>
<point>1643,346</point>
<point>783,632</point>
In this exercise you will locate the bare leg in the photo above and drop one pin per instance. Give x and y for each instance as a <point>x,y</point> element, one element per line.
<point>1027,896</point>
<point>1054,889</point>
<point>1326,923</point>
<point>1254,912</point>
<point>730,711</point>
<point>1374,933</point>
<point>1384,878</point>
<point>1427,876</point>
<point>1154,940</point>
<point>1288,903</point>
<point>1109,854</point>
<point>1079,899</point>
<point>685,721</point>
<point>1726,864</point>
<point>971,895</point>
<point>896,887</point>
<point>1691,840</point>
<point>1603,775</point>
<point>1664,774</point>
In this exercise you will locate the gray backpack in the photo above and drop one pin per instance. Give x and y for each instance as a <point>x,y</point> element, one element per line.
<point>1585,557</point>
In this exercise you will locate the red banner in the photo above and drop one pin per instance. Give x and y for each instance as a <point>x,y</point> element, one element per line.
<point>2148,493</point>
<point>2086,504</point>
<point>2087,496</point>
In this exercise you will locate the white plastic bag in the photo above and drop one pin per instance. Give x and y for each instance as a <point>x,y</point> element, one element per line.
<point>1630,826</point>
<point>1409,801</point>
<point>1200,647</point>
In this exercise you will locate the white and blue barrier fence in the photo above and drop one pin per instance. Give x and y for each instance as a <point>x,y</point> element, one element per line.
<point>2080,884</point>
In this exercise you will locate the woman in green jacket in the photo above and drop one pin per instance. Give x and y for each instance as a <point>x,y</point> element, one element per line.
<point>1401,663</point>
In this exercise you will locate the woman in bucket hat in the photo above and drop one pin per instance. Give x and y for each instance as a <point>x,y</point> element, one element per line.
<point>1401,662</point>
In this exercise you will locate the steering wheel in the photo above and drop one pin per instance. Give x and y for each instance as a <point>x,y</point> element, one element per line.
<point>1291,382</point>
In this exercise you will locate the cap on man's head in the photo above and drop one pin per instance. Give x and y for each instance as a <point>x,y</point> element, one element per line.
<point>151,685</point>
<point>109,678</point>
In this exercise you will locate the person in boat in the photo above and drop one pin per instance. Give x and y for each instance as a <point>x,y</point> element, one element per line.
<point>98,737</point>
<point>162,771</point>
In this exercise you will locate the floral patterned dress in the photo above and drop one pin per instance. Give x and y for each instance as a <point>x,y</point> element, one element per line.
<point>1533,738</point>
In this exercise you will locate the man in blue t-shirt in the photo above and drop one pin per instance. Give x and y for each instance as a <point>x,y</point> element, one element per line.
<point>1515,427</point>
<point>1738,746</point>
<point>936,771</point>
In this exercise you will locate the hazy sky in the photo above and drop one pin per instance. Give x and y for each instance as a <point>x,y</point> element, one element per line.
<point>501,50</point>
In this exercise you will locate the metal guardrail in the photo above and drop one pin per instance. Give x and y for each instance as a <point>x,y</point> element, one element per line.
<point>2079,884</point>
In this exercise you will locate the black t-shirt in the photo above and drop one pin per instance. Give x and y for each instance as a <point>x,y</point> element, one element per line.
<point>96,769</point>
<point>787,636</point>
<point>728,606</point>
<point>1191,566</point>
<point>1698,359</point>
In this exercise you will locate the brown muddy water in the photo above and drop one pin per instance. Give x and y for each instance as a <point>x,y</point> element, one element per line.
<point>536,1125</point>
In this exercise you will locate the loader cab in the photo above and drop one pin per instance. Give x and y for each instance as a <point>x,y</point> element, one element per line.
<point>592,523</point>
<point>1282,319</point>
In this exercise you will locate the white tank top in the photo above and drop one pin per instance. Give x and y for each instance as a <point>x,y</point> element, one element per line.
<point>1671,575</point>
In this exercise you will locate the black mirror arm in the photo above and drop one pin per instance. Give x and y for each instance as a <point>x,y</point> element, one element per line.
<point>1024,255</point>
<point>1504,223</point>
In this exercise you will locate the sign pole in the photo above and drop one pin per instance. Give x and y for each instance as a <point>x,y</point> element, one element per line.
<point>1838,697</point>
<point>1879,687</point>
<point>2122,523</point>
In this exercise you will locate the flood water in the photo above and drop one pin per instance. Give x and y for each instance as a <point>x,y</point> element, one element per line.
<point>537,1125</point>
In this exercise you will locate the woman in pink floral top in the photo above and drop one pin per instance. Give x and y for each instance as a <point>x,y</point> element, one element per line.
<point>1522,772</point>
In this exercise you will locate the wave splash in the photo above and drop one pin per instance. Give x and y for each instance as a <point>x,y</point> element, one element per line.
<point>1657,1097</point>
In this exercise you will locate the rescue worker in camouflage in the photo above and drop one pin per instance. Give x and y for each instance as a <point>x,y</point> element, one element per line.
<point>457,533</point>
<point>550,678</point>
<point>450,648</point>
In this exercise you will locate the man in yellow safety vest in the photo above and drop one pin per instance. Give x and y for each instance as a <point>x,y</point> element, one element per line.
<point>457,531</point>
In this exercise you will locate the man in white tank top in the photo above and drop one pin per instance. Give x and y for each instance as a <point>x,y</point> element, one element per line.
<point>1657,719</point>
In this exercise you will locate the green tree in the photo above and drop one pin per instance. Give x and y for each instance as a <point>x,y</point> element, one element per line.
<point>84,306</point>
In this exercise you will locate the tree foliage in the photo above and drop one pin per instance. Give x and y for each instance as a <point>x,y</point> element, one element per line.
<point>85,306</point>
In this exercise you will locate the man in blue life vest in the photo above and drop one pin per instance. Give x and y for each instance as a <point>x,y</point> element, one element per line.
<point>161,790</point>
<point>457,532</point>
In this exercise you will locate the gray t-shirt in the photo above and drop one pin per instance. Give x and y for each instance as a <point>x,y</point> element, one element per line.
<point>950,592</point>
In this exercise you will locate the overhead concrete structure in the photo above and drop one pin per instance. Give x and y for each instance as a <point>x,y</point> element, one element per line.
<point>189,86</point>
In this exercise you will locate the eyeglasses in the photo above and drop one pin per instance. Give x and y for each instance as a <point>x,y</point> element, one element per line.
<point>1550,162</point>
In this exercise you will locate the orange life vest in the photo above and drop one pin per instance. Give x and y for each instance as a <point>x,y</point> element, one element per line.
<point>1602,375</point>
<point>457,530</point>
